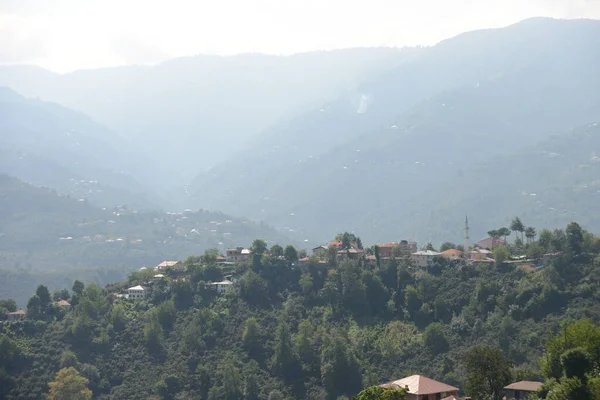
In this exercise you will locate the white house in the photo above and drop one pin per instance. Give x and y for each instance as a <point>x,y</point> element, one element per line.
<point>238,254</point>
<point>424,258</point>
<point>222,286</point>
<point>138,292</point>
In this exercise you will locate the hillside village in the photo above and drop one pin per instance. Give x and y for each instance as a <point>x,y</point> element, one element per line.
<point>246,274</point>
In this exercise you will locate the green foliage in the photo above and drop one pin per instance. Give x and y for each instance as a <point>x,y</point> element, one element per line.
<point>290,253</point>
<point>68,359</point>
<point>259,247</point>
<point>285,360</point>
<point>68,384</point>
<point>340,372</point>
<point>6,306</point>
<point>78,287</point>
<point>169,386</point>
<point>276,251</point>
<point>253,288</point>
<point>61,295</point>
<point>569,389</point>
<point>118,317</point>
<point>10,353</point>
<point>153,332</point>
<point>501,254</point>
<point>576,363</point>
<point>447,246</point>
<point>582,334</point>
<point>251,337</point>
<point>574,238</point>
<point>166,314</point>
<point>435,339</point>
<point>488,372</point>
<point>251,384</point>
<point>230,377</point>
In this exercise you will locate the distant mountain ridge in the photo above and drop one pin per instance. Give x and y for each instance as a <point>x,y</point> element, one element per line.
<point>49,145</point>
<point>481,95</point>
<point>192,112</point>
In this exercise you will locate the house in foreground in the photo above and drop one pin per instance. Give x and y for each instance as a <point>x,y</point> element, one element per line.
<point>522,390</point>
<point>16,316</point>
<point>420,387</point>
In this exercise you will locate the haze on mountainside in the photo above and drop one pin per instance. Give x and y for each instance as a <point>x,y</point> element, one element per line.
<point>369,140</point>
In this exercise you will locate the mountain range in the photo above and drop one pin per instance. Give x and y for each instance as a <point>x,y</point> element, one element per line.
<point>425,128</point>
<point>190,113</point>
<point>49,145</point>
<point>390,144</point>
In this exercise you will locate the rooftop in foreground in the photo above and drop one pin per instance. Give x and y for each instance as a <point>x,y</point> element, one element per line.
<point>524,386</point>
<point>418,384</point>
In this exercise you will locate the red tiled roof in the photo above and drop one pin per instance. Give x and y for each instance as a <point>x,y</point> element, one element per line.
<point>63,303</point>
<point>525,386</point>
<point>305,259</point>
<point>488,243</point>
<point>418,384</point>
<point>20,312</point>
<point>450,252</point>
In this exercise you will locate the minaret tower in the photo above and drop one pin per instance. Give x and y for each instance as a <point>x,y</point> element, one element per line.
<point>466,244</point>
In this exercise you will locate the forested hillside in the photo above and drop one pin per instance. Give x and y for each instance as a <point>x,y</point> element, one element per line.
<point>49,145</point>
<point>41,230</point>
<point>317,330</point>
<point>419,135</point>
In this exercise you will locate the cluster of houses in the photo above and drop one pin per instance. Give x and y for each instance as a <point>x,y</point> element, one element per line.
<point>481,253</point>
<point>422,388</point>
<point>141,292</point>
<point>419,258</point>
<point>19,315</point>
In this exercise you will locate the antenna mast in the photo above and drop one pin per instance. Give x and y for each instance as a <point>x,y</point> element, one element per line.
<point>466,243</point>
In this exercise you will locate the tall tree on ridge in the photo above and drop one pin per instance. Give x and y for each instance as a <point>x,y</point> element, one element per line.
<point>517,226</point>
<point>530,234</point>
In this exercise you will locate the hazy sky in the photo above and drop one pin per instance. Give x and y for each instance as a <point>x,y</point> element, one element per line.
<point>64,35</point>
